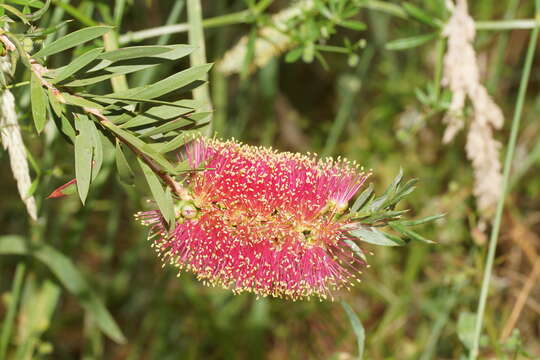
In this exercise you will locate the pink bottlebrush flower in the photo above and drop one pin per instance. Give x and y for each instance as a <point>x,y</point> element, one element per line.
<point>261,221</point>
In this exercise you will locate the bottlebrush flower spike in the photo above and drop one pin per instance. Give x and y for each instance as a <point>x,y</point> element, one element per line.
<point>261,221</point>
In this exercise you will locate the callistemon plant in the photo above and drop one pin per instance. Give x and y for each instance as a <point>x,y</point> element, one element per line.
<point>253,219</point>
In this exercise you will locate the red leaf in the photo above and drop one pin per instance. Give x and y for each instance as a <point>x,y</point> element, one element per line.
<point>64,190</point>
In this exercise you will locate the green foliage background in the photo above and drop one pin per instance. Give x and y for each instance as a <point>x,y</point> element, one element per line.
<point>415,302</point>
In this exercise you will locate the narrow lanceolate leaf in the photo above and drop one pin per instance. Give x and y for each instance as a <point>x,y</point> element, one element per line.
<point>420,15</point>
<point>141,146</point>
<point>422,220</point>
<point>82,102</point>
<point>167,85</point>
<point>170,52</point>
<point>39,13</point>
<point>358,328</point>
<point>362,199</point>
<point>66,128</point>
<point>77,64</point>
<point>86,125</point>
<point>413,235</point>
<point>70,277</point>
<point>56,106</point>
<point>159,113</point>
<point>30,3</point>
<point>372,236</point>
<point>124,170</point>
<point>356,249</point>
<point>16,12</point>
<point>97,148</point>
<point>83,158</point>
<point>410,42</point>
<point>175,143</point>
<point>178,123</point>
<point>162,198</point>
<point>39,103</point>
<point>353,25</point>
<point>73,39</point>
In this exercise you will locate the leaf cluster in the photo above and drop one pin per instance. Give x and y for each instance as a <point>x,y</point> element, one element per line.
<point>150,120</point>
<point>313,28</point>
<point>369,214</point>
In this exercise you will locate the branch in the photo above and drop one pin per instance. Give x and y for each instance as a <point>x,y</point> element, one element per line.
<point>39,70</point>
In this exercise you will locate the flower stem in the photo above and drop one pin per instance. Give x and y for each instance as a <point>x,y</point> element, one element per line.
<point>506,24</point>
<point>507,165</point>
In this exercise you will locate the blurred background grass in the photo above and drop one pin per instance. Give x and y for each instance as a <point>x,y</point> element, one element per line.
<point>415,302</point>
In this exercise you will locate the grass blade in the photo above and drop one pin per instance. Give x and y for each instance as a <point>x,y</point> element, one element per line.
<point>358,328</point>
<point>70,277</point>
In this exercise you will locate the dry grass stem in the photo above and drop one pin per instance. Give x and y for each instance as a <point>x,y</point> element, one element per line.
<point>532,280</point>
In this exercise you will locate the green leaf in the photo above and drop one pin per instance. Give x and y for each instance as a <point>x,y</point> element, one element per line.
<point>465,328</point>
<point>358,328</point>
<point>112,100</point>
<point>410,42</point>
<point>55,104</point>
<point>420,15</point>
<point>73,39</point>
<point>162,198</point>
<point>421,221</point>
<point>39,13</point>
<point>175,143</point>
<point>76,65</point>
<point>409,233</point>
<point>353,25</point>
<point>66,127</point>
<point>32,3</point>
<point>39,103</point>
<point>381,216</point>
<point>52,29</point>
<point>81,102</point>
<point>294,55</point>
<point>159,113</point>
<point>97,149</point>
<point>372,236</point>
<point>124,170</point>
<point>15,12</point>
<point>362,199</point>
<point>70,277</point>
<point>177,123</point>
<point>382,200</point>
<point>140,145</point>
<point>404,191</point>
<point>84,154</point>
<point>356,249</point>
<point>171,52</point>
<point>167,85</point>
